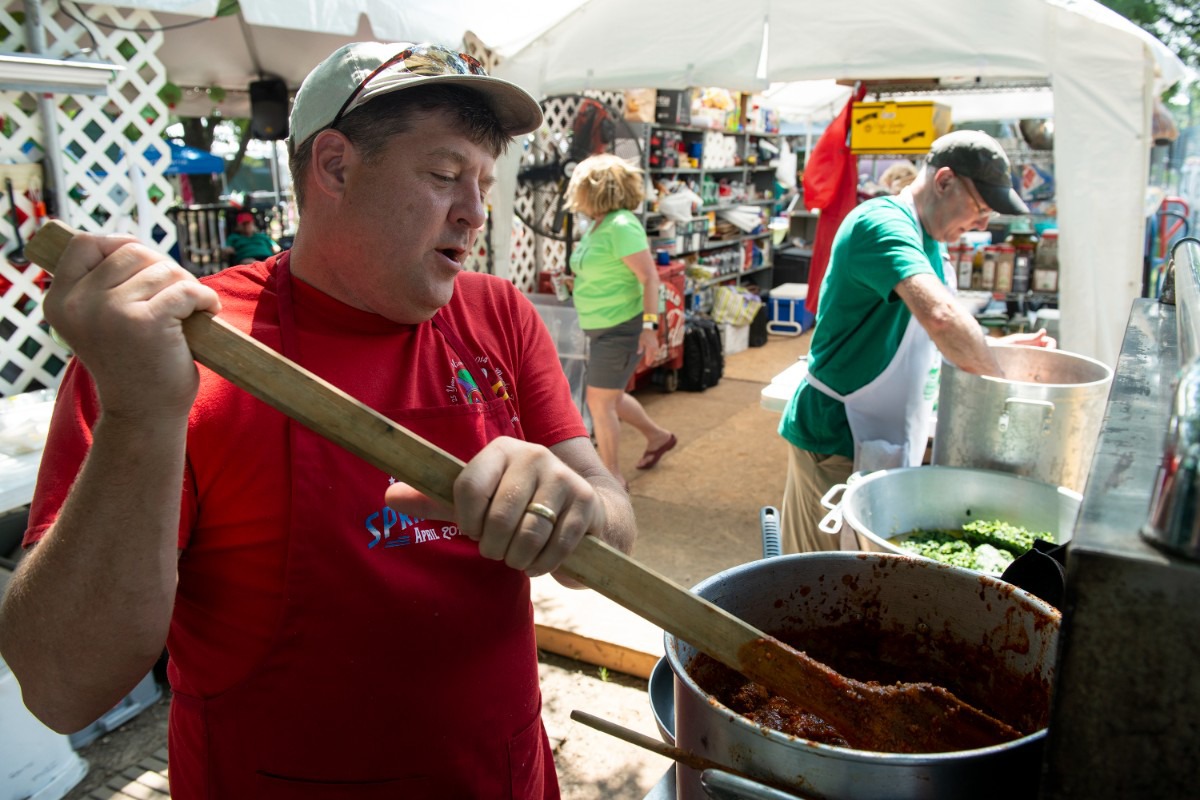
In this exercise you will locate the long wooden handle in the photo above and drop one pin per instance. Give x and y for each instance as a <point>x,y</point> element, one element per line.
<point>330,412</point>
<point>685,757</point>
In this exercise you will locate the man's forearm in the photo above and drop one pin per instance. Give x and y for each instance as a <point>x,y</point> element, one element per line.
<point>964,344</point>
<point>88,611</point>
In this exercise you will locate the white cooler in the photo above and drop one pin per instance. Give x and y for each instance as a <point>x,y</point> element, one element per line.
<point>35,762</point>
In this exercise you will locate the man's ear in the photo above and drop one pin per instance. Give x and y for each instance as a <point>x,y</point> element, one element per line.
<point>943,177</point>
<point>332,152</point>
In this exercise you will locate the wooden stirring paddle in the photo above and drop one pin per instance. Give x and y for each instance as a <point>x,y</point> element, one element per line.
<point>904,718</point>
<point>685,757</point>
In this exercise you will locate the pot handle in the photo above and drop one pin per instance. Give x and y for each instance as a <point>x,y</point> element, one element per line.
<point>834,490</point>
<point>721,785</point>
<point>768,519</point>
<point>1046,406</point>
<point>831,523</point>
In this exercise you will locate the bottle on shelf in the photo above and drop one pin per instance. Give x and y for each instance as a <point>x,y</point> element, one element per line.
<point>1045,263</point>
<point>1004,268</point>
<point>961,259</point>
<point>988,274</point>
<point>1024,241</point>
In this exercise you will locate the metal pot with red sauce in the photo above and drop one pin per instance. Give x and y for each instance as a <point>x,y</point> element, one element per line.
<point>882,618</point>
<point>864,650</point>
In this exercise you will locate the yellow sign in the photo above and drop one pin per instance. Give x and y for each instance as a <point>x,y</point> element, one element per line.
<point>902,128</point>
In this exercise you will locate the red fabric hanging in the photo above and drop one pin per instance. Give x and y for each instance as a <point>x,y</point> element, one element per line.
<point>831,185</point>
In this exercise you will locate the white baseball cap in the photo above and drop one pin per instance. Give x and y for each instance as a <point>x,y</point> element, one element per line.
<point>358,73</point>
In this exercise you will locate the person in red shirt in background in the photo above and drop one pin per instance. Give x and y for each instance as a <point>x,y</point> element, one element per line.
<point>331,631</point>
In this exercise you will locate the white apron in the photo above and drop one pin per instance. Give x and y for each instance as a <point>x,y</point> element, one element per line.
<point>890,417</point>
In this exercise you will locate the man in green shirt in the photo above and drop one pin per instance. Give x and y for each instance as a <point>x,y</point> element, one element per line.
<point>247,244</point>
<point>886,310</point>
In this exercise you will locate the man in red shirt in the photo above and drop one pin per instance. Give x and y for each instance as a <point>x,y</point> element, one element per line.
<point>332,632</point>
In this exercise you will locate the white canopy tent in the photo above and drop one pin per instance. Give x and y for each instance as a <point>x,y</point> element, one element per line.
<point>1104,71</point>
<point>287,38</point>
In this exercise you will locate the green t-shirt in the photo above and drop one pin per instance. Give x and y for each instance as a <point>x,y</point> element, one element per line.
<point>257,245</point>
<point>860,318</point>
<point>607,292</point>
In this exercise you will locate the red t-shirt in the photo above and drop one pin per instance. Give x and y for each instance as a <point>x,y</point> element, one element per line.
<point>232,528</point>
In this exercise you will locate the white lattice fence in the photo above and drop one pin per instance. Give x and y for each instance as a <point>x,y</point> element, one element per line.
<point>113,159</point>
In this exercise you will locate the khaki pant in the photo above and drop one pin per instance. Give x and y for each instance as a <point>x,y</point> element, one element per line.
<point>810,476</point>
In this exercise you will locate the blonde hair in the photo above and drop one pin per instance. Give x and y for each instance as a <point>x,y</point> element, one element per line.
<point>604,183</point>
<point>897,176</point>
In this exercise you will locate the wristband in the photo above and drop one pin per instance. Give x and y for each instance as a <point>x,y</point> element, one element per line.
<point>649,326</point>
<point>649,317</point>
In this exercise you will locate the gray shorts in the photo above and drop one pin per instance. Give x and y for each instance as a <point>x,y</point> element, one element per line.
<point>613,354</point>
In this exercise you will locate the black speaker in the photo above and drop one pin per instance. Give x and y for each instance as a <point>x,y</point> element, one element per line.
<point>269,109</point>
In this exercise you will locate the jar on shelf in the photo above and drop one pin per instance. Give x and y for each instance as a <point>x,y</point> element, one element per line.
<point>977,269</point>
<point>1005,256</point>
<point>961,255</point>
<point>1022,265</point>
<point>1045,263</point>
<point>988,273</point>
<point>1021,232</point>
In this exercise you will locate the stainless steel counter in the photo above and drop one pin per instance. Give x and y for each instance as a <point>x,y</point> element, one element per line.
<point>1126,705</point>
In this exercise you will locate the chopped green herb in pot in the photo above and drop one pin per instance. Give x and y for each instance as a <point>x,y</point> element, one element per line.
<point>986,546</point>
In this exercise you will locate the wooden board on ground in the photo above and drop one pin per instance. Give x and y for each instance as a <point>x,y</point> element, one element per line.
<point>587,626</point>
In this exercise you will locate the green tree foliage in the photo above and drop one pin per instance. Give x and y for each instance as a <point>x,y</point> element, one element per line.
<point>1175,22</point>
<point>198,132</point>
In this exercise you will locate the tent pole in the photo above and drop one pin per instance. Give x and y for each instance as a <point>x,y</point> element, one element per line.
<point>808,139</point>
<point>35,33</point>
<point>275,174</point>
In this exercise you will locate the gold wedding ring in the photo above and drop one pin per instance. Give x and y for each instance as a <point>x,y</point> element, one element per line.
<point>545,512</point>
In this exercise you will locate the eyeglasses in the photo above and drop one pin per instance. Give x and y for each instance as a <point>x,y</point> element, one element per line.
<point>427,60</point>
<point>982,210</point>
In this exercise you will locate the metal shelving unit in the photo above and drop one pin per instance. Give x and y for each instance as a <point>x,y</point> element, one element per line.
<point>756,177</point>
<point>698,285</point>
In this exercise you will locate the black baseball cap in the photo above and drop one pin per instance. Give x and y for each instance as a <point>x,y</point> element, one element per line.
<point>975,155</point>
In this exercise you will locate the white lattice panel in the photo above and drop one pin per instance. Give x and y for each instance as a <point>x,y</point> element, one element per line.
<point>480,260</point>
<point>29,358</point>
<point>101,138</point>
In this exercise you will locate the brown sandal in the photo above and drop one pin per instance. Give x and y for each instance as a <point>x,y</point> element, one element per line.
<point>651,457</point>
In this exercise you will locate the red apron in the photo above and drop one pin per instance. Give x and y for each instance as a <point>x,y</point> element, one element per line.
<point>404,664</point>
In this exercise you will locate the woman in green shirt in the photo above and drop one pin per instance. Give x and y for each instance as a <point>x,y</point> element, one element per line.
<point>616,294</point>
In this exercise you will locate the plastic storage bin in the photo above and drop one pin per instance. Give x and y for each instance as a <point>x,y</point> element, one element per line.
<point>562,321</point>
<point>785,306</point>
<point>35,762</point>
<point>144,695</point>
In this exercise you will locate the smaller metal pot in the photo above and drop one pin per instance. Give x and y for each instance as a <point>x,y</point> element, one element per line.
<point>880,505</point>
<point>1041,420</point>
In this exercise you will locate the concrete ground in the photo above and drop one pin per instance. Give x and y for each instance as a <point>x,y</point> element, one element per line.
<point>698,515</point>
